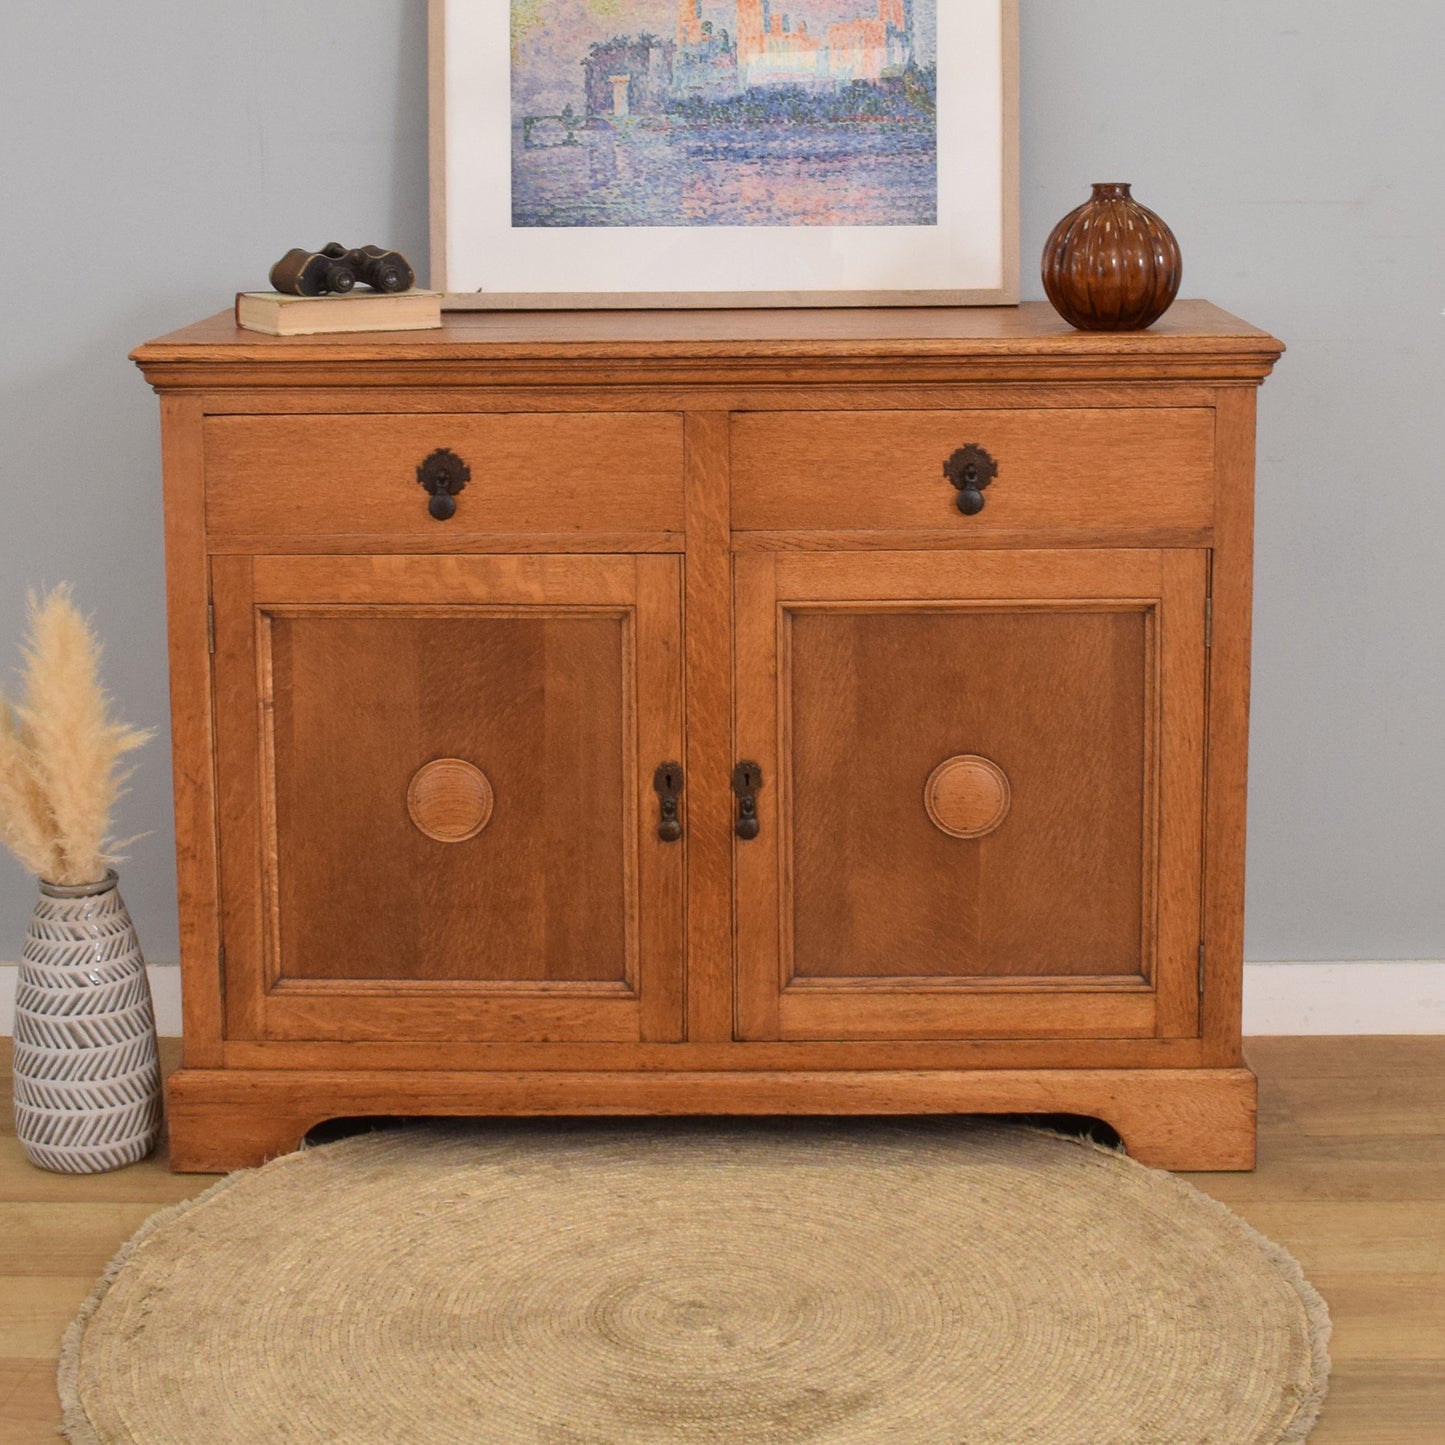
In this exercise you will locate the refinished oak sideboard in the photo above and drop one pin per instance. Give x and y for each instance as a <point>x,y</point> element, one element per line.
<point>717,712</point>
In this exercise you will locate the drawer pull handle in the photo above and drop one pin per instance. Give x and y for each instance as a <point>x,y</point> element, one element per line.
<point>970,469</point>
<point>667,782</point>
<point>747,779</point>
<point>443,474</point>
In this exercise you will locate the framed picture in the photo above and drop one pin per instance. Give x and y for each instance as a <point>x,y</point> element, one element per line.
<point>625,153</point>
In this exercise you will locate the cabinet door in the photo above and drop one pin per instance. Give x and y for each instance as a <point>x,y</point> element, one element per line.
<point>981,811</point>
<point>438,817</point>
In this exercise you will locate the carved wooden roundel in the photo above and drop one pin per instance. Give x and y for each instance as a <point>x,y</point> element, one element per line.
<point>450,800</point>
<point>967,796</point>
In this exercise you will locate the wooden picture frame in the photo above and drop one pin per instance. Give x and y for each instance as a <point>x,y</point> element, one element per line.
<point>707,167</point>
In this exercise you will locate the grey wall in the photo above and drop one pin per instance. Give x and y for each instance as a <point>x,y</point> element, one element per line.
<point>159,156</point>
<point>1295,148</point>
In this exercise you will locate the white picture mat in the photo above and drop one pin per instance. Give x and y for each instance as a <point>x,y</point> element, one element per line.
<point>965,251</point>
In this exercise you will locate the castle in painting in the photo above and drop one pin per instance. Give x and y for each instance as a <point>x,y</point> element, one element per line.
<point>766,49</point>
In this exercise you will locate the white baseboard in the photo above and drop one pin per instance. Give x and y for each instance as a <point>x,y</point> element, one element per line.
<point>1393,997</point>
<point>1279,998</point>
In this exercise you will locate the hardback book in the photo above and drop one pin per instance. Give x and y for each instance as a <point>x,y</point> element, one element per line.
<point>278,314</point>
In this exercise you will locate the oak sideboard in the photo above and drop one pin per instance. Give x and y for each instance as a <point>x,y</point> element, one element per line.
<point>736,712</point>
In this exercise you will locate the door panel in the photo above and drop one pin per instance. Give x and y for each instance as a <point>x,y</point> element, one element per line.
<point>534,705</point>
<point>1055,701</point>
<point>967,757</point>
<point>438,784</point>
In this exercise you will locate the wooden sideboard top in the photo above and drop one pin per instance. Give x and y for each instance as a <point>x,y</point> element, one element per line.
<point>1194,341</point>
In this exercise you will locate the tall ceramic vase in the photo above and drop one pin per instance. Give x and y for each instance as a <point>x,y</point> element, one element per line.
<point>87,1077</point>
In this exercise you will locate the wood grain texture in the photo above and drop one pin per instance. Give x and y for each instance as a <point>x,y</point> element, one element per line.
<point>1054,698</point>
<point>555,473</point>
<point>855,675</point>
<point>709,802</point>
<point>1231,589</point>
<point>886,346</point>
<point>362,891</point>
<point>597,396</point>
<point>759,887</point>
<point>1168,1117</point>
<point>612,457</point>
<point>999,333</point>
<point>818,1054</point>
<point>932,539</point>
<point>658,903</point>
<point>464,543</point>
<point>188,591</point>
<point>1004,577</point>
<point>241,908</point>
<point>1080,470</point>
<point>429,582</point>
<point>1179,789</point>
<point>564,707</point>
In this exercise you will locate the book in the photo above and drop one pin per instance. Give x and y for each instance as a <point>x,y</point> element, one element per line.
<point>278,314</point>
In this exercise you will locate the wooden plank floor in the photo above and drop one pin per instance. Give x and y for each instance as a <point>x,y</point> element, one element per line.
<point>1351,1180</point>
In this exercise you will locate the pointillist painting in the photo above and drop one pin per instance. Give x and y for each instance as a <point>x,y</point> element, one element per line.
<point>724,113</point>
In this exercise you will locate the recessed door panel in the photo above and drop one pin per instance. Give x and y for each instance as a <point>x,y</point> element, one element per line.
<point>517,869</point>
<point>1029,724</point>
<point>441,773</point>
<point>986,791</point>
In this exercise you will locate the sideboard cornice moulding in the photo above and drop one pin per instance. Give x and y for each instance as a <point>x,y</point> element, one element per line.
<point>1195,341</point>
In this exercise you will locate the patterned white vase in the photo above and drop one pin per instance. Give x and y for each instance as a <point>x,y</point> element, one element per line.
<point>87,1077</point>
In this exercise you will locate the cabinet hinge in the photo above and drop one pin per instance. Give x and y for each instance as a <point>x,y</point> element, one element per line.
<point>1201,968</point>
<point>211,627</point>
<point>1209,622</point>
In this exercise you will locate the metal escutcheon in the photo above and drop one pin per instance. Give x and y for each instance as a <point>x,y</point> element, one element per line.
<point>970,469</point>
<point>747,780</point>
<point>443,474</point>
<point>667,783</point>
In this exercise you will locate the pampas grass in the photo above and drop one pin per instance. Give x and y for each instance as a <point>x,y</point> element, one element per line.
<point>60,750</point>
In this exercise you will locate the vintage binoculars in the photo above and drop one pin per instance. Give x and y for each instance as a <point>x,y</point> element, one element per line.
<point>334,268</point>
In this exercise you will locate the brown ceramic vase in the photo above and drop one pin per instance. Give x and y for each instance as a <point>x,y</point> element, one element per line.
<point>1112,264</point>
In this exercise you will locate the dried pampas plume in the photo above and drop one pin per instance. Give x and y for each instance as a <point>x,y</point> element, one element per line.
<point>60,750</point>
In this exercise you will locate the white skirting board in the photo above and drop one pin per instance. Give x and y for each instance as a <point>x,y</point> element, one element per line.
<point>1396,997</point>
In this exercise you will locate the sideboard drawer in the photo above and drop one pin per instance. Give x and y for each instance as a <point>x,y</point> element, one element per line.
<point>1094,470</point>
<point>356,476</point>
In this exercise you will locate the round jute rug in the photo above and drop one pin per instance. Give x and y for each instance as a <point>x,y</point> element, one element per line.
<point>639,1283</point>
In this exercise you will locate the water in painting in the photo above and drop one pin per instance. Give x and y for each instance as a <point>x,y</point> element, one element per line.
<point>724,113</point>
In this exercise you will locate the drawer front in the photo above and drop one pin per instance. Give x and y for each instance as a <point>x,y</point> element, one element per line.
<point>1094,471</point>
<point>356,476</point>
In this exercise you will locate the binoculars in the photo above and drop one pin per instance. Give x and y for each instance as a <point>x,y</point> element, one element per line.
<point>334,268</point>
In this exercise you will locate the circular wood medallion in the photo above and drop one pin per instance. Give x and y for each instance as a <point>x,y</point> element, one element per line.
<point>450,800</point>
<point>967,796</point>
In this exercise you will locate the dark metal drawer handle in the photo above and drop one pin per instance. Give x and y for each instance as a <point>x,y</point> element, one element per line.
<point>667,782</point>
<point>747,779</point>
<point>443,474</point>
<point>970,469</point>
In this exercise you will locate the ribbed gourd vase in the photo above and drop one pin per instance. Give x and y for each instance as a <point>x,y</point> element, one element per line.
<point>87,1075</point>
<point>1111,264</point>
